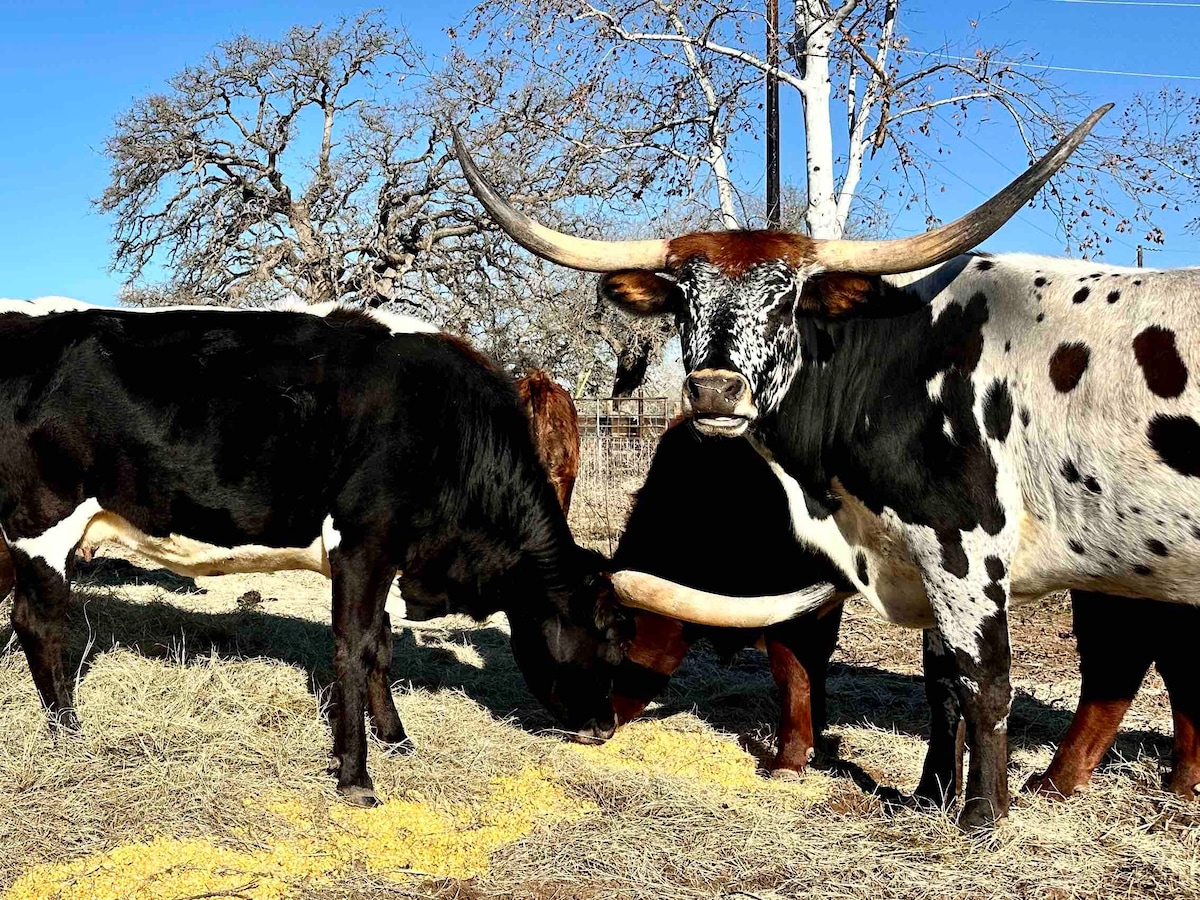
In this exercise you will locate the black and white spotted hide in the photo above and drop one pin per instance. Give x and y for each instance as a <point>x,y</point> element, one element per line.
<point>991,428</point>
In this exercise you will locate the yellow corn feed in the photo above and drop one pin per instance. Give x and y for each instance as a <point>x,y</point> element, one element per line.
<point>403,837</point>
<point>318,843</point>
<point>700,757</point>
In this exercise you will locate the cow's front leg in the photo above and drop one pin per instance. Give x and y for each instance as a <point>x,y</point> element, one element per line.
<point>39,612</point>
<point>799,653</point>
<point>658,649</point>
<point>941,777</point>
<point>972,616</point>
<point>360,588</point>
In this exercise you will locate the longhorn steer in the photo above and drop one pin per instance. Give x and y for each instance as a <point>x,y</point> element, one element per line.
<point>735,541</point>
<point>555,424</point>
<point>347,443</point>
<point>978,430</point>
<point>679,533</point>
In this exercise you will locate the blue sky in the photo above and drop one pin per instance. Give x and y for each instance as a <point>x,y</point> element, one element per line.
<point>67,69</point>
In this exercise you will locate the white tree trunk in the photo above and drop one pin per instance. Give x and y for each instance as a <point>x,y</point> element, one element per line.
<point>822,213</point>
<point>718,139</point>
<point>860,117</point>
<point>821,216</point>
<point>720,167</point>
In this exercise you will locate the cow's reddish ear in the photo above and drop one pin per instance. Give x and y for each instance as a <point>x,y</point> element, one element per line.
<point>643,293</point>
<point>837,294</point>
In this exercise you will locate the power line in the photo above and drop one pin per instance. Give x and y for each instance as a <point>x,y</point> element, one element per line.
<point>1049,68</point>
<point>977,189</point>
<point>1011,171</point>
<point>1129,3</point>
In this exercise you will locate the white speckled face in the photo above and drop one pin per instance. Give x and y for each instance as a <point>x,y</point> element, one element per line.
<point>745,324</point>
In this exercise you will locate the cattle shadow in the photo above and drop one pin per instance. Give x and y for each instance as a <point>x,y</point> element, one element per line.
<point>737,695</point>
<point>474,660</point>
<point>113,572</point>
<point>734,695</point>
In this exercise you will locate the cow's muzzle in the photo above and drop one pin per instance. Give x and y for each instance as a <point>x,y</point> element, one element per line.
<point>718,402</point>
<point>594,732</point>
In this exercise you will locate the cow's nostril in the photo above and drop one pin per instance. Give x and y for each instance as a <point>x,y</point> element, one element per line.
<point>714,391</point>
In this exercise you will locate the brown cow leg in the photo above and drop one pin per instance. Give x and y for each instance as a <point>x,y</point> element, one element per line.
<point>657,652</point>
<point>1114,655</point>
<point>1176,660</point>
<point>799,653</point>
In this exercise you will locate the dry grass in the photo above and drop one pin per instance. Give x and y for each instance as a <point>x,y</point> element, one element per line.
<point>202,775</point>
<point>200,772</point>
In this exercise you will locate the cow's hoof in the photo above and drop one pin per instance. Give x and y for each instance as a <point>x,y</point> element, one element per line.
<point>977,816</point>
<point>1185,785</point>
<point>932,799</point>
<point>356,795</point>
<point>65,721</point>
<point>1044,786</point>
<point>402,747</point>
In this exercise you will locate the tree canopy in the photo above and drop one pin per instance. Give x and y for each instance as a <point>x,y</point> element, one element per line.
<point>318,164</point>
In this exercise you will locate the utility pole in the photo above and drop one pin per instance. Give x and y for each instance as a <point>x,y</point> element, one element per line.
<point>1139,256</point>
<point>773,210</point>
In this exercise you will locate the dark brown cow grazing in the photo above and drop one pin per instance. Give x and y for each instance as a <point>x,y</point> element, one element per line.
<point>354,444</point>
<point>682,534</point>
<point>555,424</point>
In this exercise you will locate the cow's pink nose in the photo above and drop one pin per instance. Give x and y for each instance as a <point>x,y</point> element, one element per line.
<point>716,391</point>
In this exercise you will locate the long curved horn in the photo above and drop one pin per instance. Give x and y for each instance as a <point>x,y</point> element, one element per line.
<point>573,252</point>
<point>649,592</point>
<point>948,241</point>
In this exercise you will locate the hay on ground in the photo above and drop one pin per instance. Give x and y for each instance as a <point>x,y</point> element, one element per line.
<point>201,772</point>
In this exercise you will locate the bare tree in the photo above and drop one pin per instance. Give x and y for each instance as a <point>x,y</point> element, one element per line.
<point>1162,132</point>
<point>694,68</point>
<point>319,166</point>
<point>223,180</point>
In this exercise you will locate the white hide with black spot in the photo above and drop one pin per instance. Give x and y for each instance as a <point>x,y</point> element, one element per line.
<point>1102,522</point>
<point>1125,497</point>
<point>1088,502</point>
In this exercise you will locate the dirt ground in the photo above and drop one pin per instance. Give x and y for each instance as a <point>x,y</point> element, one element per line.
<point>200,771</point>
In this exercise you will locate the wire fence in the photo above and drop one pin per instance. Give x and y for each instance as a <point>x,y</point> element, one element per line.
<point>625,417</point>
<point>618,436</point>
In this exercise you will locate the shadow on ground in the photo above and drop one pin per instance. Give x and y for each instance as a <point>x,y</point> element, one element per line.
<point>735,696</point>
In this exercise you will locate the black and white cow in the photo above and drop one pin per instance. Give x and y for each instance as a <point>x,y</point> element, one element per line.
<point>980,429</point>
<point>347,443</point>
<point>679,533</point>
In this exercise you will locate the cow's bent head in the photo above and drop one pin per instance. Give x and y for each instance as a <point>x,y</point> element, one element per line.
<point>738,296</point>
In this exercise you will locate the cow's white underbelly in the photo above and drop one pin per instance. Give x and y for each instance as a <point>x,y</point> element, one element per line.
<point>189,557</point>
<point>186,556</point>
